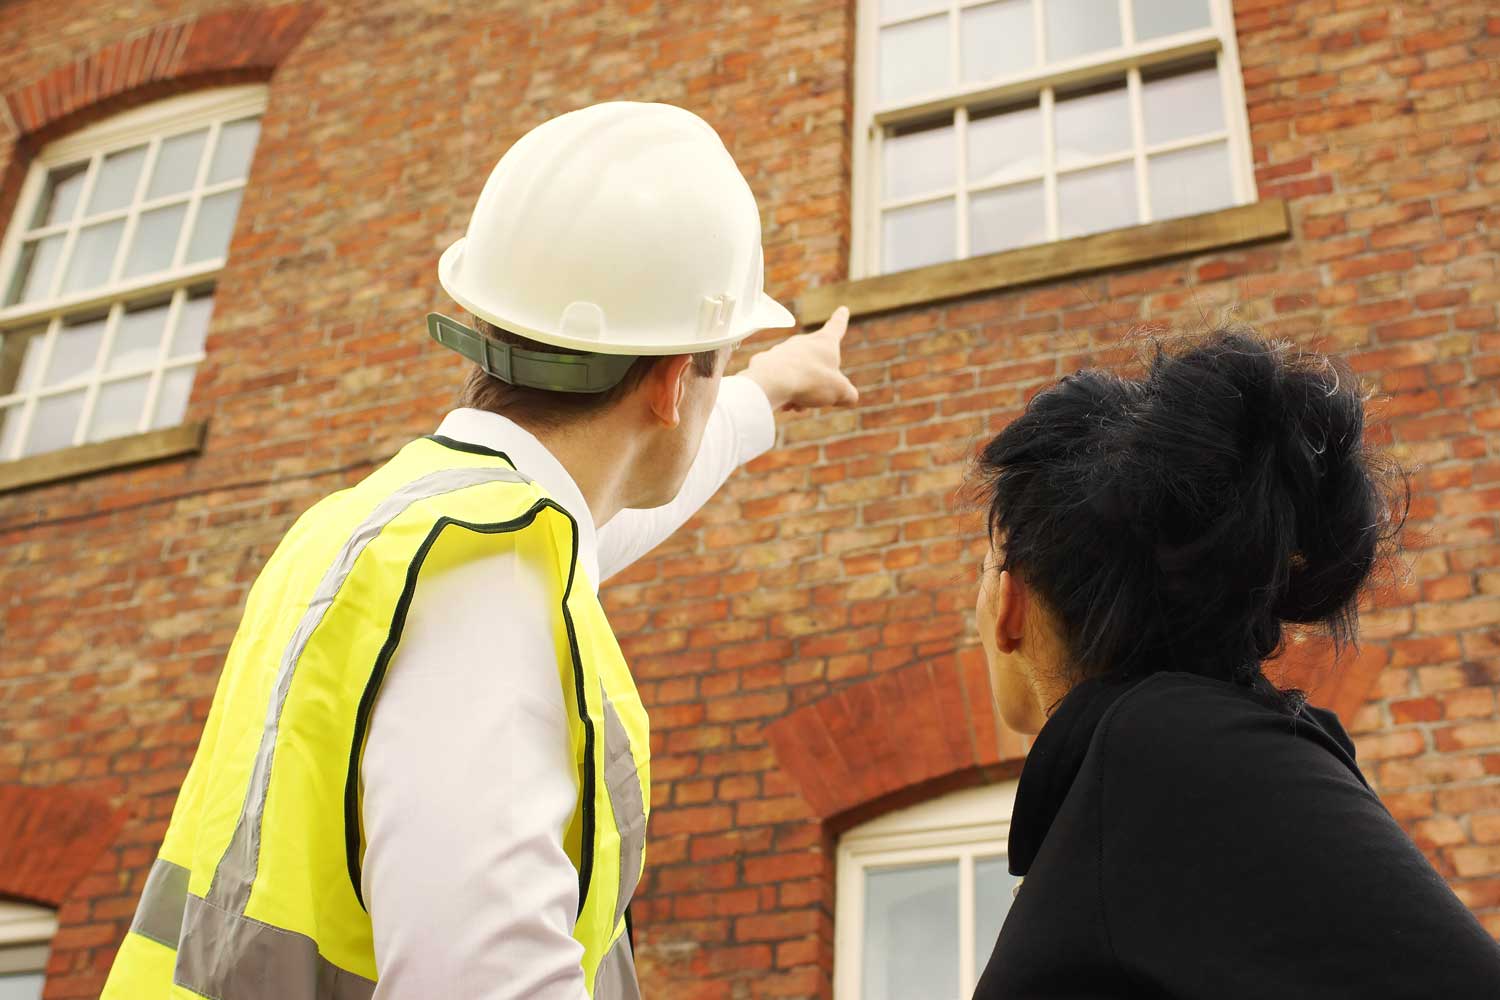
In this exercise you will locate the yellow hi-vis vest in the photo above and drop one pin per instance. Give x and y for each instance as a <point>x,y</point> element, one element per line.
<point>256,892</point>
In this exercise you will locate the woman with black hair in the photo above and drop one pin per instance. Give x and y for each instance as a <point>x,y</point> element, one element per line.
<point>1183,827</point>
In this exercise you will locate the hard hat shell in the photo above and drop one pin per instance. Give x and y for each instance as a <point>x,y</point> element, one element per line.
<point>621,228</point>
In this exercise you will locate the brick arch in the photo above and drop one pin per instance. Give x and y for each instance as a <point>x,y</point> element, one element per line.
<point>50,836</point>
<point>905,736</point>
<point>895,739</point>
<point>234,45</point>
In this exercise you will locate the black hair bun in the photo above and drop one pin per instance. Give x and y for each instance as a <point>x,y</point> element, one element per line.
<point>1305,509</point>
<point>1177,520</point>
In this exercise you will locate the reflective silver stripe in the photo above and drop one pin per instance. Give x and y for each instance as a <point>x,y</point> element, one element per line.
<point>625,799</point>
<point>159,915</point>
<point>230,888</point>
<point>229,956</point>
<point>615,979</point>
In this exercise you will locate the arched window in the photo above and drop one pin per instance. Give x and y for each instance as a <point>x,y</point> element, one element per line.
<point>922,893</point>
<point>25,937</point>
<point>108,267</point>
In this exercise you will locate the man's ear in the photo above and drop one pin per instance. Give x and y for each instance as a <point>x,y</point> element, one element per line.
<point>665,385</point>
<point>1012,603</point>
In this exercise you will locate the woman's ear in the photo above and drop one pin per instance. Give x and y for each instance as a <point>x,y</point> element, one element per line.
<point>1011,601</point>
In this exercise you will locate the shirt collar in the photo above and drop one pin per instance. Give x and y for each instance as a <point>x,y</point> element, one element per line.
<point>532,459</point>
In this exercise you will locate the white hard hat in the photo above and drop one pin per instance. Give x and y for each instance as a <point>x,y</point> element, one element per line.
<point>622,228</point>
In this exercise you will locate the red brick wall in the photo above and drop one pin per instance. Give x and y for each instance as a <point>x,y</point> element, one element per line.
<point>838,560</point>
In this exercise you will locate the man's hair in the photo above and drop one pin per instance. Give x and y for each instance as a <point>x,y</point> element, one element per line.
<point>543,407</point>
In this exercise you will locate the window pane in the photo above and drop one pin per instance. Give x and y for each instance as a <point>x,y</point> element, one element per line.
<point>155,240</point>
<point>1092,201</point>
<point>215,224</point>
<point>919,161</point>
<point>21,359</point>
<point>890,10</point>
<point>177,163</point>
<point>138,339</point>
<point>34,270</point>
<point>911,932</point>
<point>172,398</point>
<point>115,186</point>
<point>1190,181</point>
<point>54,422</point>
<point>1005,144</point>
<point>1182,104</point>
<point>76,351</point>
<point>10,427</point>
<point>1156,18</point>
<point>918,235</point>
<point>64,185</point>
<point>21,986</point>
<point>996,40</point>
<point>117,410</point>
<point>994,888</point>
<point>1077,27</point>
<point>236,147</point>
<point>192,325</point>
<point>1006,218</point>
<point>93,256</point>
<point>1092,124</point>
<point>913,59</point>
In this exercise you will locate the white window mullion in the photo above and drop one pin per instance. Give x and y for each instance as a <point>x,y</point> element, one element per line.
<point>961,132</point>
<point>1138,134</point>
<point>967,976</point>
<point>133,212</point>
<point>64,257</point>
<point>877,224</point>
<point>164,351</point>
<point>28,412</point>
<point>1049,162</point>
<point>91,394</point>
<point>185,236</point>
<point>1127,21</point>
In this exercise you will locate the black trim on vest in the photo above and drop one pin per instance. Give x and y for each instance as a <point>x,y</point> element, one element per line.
<point>472,449</point>
<point>382,663</point>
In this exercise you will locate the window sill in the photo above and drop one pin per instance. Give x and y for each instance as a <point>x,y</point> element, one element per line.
<point>1263,220</point>
<point>117,453</point>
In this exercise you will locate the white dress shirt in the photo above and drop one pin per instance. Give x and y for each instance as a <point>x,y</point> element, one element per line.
<point>467,773</point>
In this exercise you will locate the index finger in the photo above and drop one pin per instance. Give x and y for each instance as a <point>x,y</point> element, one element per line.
<point>838,324</point>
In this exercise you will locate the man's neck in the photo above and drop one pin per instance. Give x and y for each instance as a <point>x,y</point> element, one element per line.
<point>599,460</point>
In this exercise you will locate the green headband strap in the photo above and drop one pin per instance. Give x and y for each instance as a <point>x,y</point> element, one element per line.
<point>591,373</point>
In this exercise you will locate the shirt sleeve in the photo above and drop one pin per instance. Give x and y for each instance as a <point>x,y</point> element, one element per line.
<point>468,787</point>
<point>741,427</point>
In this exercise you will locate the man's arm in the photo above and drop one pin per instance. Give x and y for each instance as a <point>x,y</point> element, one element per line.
<point>799,373</point>
<point>468,788</point>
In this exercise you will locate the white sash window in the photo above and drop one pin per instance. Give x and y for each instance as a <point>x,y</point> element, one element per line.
<point>922,893</point>
<point>107,269</point>
<point>986,125</point>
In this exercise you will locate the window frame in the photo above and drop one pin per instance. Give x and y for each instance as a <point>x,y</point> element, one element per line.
<point>150,124</point>
<point>871,119</point>
<point>957,826</point>
<point>26,932</point>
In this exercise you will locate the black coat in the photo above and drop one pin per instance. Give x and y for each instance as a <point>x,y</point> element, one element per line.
<point>1183,837</point>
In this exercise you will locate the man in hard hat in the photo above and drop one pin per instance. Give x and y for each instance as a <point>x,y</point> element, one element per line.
<point>426,771</point>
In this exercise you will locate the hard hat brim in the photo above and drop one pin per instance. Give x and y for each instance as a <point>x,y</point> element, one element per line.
<point>766,314</point>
